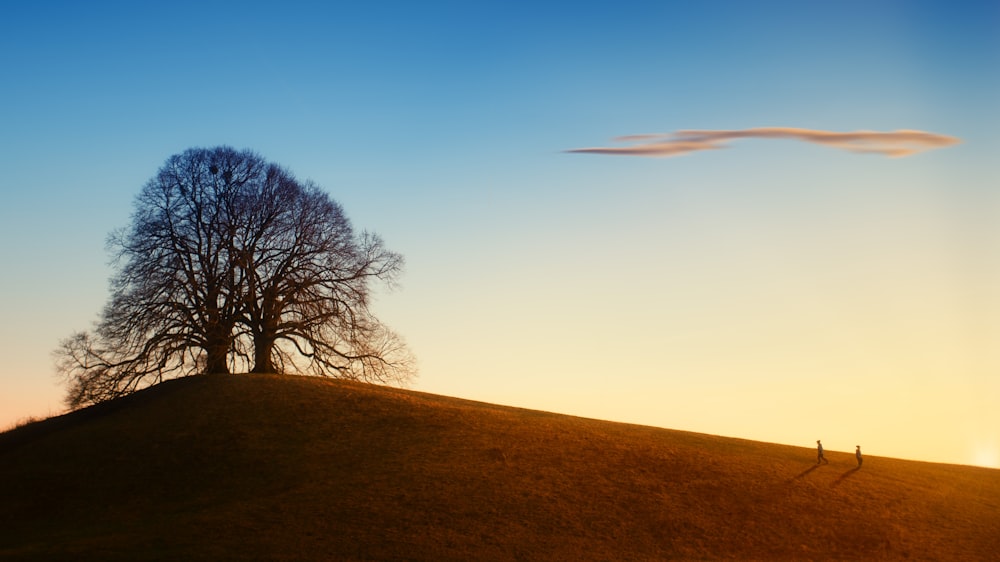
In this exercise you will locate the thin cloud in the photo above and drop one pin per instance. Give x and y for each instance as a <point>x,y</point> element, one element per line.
<point>893,143</point>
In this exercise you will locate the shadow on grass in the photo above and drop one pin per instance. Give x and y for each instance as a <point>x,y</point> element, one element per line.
<point>845,476</point>
<point>804,473</point>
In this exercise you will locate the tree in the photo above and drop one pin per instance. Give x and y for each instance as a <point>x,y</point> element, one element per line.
<point>231,263</point>
<point>308,288</point>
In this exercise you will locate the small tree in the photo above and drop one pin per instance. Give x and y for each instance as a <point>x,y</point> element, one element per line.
<point>231,263</point>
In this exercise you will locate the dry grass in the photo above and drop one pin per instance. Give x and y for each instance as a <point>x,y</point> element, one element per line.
<point>289,468</point>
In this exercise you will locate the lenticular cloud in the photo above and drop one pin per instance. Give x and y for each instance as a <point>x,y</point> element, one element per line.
<point>893,143</point>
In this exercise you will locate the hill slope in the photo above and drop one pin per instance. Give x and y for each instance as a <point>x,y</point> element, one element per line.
<point>269,467</point>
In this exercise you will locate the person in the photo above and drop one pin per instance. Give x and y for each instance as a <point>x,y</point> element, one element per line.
<point>857,453</point>
<point>819,453</point>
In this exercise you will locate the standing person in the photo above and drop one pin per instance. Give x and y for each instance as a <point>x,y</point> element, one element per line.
<point>819,453</point>
<point>857,453</point>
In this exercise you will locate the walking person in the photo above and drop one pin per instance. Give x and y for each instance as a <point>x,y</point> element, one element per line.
<point>819,453</point>
<point>857,453</point>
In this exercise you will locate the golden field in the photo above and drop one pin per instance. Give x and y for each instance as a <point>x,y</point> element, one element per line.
<point>268,467</point>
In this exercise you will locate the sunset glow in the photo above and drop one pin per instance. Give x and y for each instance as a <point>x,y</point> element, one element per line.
<point>810,250</point>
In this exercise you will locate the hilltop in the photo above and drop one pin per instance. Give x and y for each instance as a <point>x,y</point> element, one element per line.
<point>296,468</point>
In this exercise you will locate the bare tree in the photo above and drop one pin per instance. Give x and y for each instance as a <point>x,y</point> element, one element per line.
<point>230,262</point>
<point>308,291</point>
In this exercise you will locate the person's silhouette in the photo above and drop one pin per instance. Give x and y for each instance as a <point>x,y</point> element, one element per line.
<point>819,453</point>
<point>857,453</point>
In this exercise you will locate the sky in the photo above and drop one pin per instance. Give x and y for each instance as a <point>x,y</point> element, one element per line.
<point>776,221</point>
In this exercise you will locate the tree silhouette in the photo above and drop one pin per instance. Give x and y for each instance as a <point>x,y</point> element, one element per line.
<point>232,264</point>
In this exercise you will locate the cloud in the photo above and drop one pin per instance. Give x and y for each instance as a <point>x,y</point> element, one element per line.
<point>894,143</point>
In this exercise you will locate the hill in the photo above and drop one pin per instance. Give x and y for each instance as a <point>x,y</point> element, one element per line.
<point>293,468</point>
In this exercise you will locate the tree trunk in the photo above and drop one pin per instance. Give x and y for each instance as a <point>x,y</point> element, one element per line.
<point>216,360</point>
<point>217,350</point>
<point>266,332</point>
<point>262,359</point>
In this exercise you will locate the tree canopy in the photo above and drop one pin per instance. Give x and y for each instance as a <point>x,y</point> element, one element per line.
<point>231,264</point>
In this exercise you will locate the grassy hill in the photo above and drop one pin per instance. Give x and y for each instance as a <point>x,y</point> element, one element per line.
<point>294,468</point>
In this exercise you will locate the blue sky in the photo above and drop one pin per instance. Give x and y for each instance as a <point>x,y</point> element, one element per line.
<point>773,289</point>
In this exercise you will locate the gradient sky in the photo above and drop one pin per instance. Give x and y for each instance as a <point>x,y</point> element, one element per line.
<point>769,289</point>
